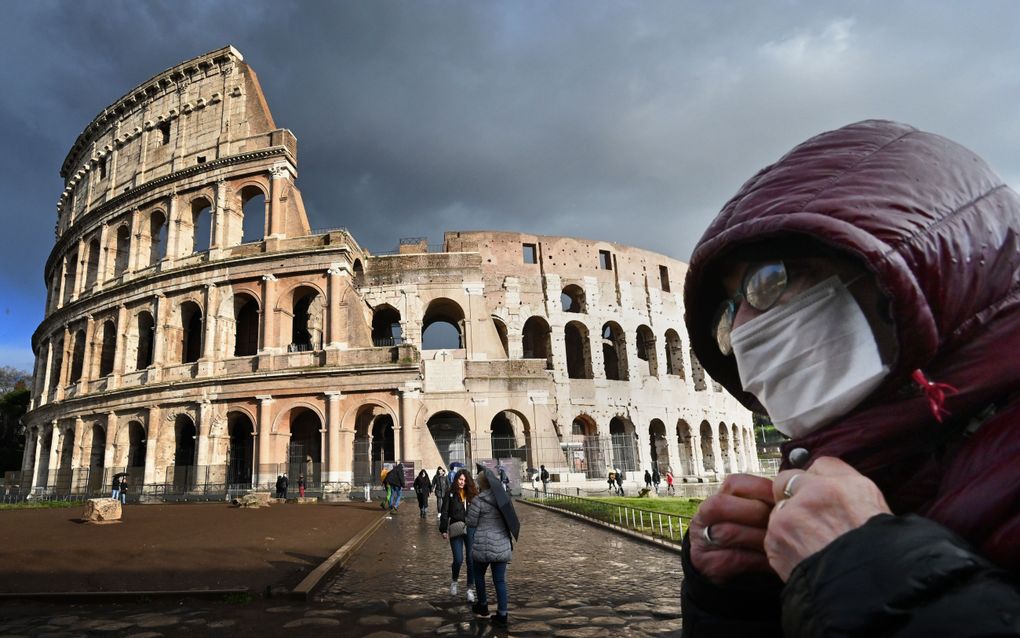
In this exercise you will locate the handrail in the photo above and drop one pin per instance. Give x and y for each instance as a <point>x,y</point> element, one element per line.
<point>661,525</point>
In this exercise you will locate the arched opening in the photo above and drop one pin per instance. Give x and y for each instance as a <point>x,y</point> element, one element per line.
<point>505,442</point>
<point>374,443</point>
<point>586,453</point>
<point>92,267</point>
<point>77,356</point>
<point>707,437</point>
<point>725,449</point>
<point>659,446</point>
<point>253,208</point>
<point>246,326</point>
<point>136,445</point>
<point>504,335</point>
<point>146,340</point>
<point>646,349</point>
<point>359,272</point>
<point>697,374</point>
<point>109,349</point>
<point>191,332</point>
<point>624,438</point>
<point>43,474</point>
<point>575,337</point>
<point>183,471</point>
<point>572,299</point>
<point>386,329</point>
<point>449,431</point>
<point>97,457</point>
<point>58,362</point>
<point>304,454</point>
<point>241,450</point>
<point>685,442</point>
<point>157,237</point>
<point>201,222</point>
<point>537,340</point>
<point>383,442</point>
<point>307,322</point>
<point>122,250</point>
<point>64,472</point>
<point>443,326</point>
<point>614,352</point>
<point>70,276</point>
<point>674,354</point>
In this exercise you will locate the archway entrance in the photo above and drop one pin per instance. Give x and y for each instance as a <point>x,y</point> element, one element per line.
<point>304,454</point>
<point>449,430</point>
<point>241,451</point>
<point>182,474</point>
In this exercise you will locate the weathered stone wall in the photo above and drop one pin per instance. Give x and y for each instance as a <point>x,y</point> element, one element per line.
<point>189,359</point>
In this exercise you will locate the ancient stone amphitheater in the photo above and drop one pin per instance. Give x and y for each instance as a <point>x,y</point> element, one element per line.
<point>202,338</point>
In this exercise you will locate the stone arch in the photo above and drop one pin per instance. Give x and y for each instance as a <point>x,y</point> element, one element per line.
<point>304,424</point>
<point>64,472</point>
<point>503,333</point>
<point>452,436</point>
<point>374,440</point>
<point>189,326</point>
<point>254,207</point>
<point>240,453</point>
<point>96,458</point>
<point>536,340</point>
<point>708,460</point>
<point>77,356</point>
<point>578,347</point>
<point>92,263</point>
<point>386,328</point>
<point>305,303</point>
<point>140,341</point>
<point>56,369</point>
<point>200,230</point>
<point>674,354</point>
<point>43,471</point>
<point>624,441</point>
<point>587,454</point>
<point>697,374</point>
<point>120,250</point>
<point>685,445</point>
<point>614,352</point>
<point>107,350</point>
<point>443,325</point>
<point>658,445</point>
<point>239,323</point>
<point>726,448</point>
<point>645,340</point>
<point>70,276</point>
<point>510,436</point>
<point>572,299</point>
<point>181,471</point>
<point>152,247</point>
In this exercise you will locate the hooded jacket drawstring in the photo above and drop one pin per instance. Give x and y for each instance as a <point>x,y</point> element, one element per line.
<point>935,393</point>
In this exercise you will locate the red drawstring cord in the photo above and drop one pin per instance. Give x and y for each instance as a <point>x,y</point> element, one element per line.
<point>936,393</point>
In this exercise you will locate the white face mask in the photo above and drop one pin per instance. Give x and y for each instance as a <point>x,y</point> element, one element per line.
<point>811,360</point>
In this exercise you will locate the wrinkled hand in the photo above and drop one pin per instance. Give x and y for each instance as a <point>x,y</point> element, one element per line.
<point>446,536</point>
<point>829,499</point>
<point>738,515</point>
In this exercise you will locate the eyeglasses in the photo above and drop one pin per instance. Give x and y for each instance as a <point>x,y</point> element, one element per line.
<point>762,286</point>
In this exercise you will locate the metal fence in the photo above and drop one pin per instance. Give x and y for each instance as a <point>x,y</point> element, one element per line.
<point>660,525</point>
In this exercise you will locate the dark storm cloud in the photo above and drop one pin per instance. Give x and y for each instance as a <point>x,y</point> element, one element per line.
<point>632,122</point>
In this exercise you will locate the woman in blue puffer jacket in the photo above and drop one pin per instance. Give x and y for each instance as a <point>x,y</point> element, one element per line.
<point>491,548</point>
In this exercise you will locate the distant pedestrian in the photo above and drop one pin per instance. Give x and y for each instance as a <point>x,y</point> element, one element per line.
<point>611,479</point>
<point>284,484</point>
<point>422,489</point>
<point>545,479</point>
<point>648,480</point>
<point>503,478</point>
<point>382,481</point>
<point>116,487</point>
<point>619,481</point>
<point>669,483</point>
<point>453,527</point>
<point>440,486</point>
<point>656,478</point>
<point>395,479</point>
<point>301,485</point>
<point>279,486</point>
<point>491,548</point>
<point>123,489</point>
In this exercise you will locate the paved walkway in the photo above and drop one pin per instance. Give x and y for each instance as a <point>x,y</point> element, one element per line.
<point>567,579</point>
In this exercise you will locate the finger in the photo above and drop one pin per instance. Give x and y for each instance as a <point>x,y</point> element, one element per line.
<point>736,509</point>
<point>781,486</point>
<point>731,536</point>
<point>832,466</point>
<point>748,486</point>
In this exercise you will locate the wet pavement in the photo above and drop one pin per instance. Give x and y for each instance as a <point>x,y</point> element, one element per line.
<point>567,579</point>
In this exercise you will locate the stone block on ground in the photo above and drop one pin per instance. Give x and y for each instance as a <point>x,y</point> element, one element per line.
<point>253,500</point>
<point>101,510</point>
<point>305,500</point>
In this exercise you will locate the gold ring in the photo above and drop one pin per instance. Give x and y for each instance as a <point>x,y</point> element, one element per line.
<point>788,490</point>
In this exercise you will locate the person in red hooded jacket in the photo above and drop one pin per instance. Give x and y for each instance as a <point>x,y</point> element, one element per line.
<point>864,291</point>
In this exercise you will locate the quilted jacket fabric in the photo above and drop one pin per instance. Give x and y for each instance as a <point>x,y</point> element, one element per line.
<point>492,539</point>
<point>940,232</point>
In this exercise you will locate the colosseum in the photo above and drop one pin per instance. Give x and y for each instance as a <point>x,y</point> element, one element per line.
<point>200,336</point>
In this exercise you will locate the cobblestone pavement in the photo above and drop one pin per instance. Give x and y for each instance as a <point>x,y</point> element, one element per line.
<point>567,579</point>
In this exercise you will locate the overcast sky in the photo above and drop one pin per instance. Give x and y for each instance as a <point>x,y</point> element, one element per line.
<point>624,121</point>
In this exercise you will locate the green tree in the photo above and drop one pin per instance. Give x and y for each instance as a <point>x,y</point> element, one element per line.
<point>15,394</point>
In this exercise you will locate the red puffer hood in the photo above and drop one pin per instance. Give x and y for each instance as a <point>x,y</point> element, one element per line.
<point>939,231</point>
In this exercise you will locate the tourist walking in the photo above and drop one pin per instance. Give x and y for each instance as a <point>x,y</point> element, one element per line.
<point>545,480</point>
<point>395,481</point>
<point>279,486</point>
<point>440,486</point>
<point>669,483</point>
<point>453,527</point>
<point>619,481</point>
<point>492,549</point>
<point>422,489</point>
<point>648,480</point>
<point>301,485</point>
<point>611,479</point>
<point>284,484</point>
<point>116,487</point>
<point>382,481</point>
<point>656,478</point>
<point>123,489</point>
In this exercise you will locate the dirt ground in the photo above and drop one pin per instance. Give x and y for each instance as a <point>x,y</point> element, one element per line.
<point>173,547</point>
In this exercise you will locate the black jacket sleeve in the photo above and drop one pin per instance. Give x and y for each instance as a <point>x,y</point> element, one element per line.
<point>746,607</point>
<point>902,577</point>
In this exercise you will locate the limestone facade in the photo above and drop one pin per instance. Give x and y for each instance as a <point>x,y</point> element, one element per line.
<point>198,332</point>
